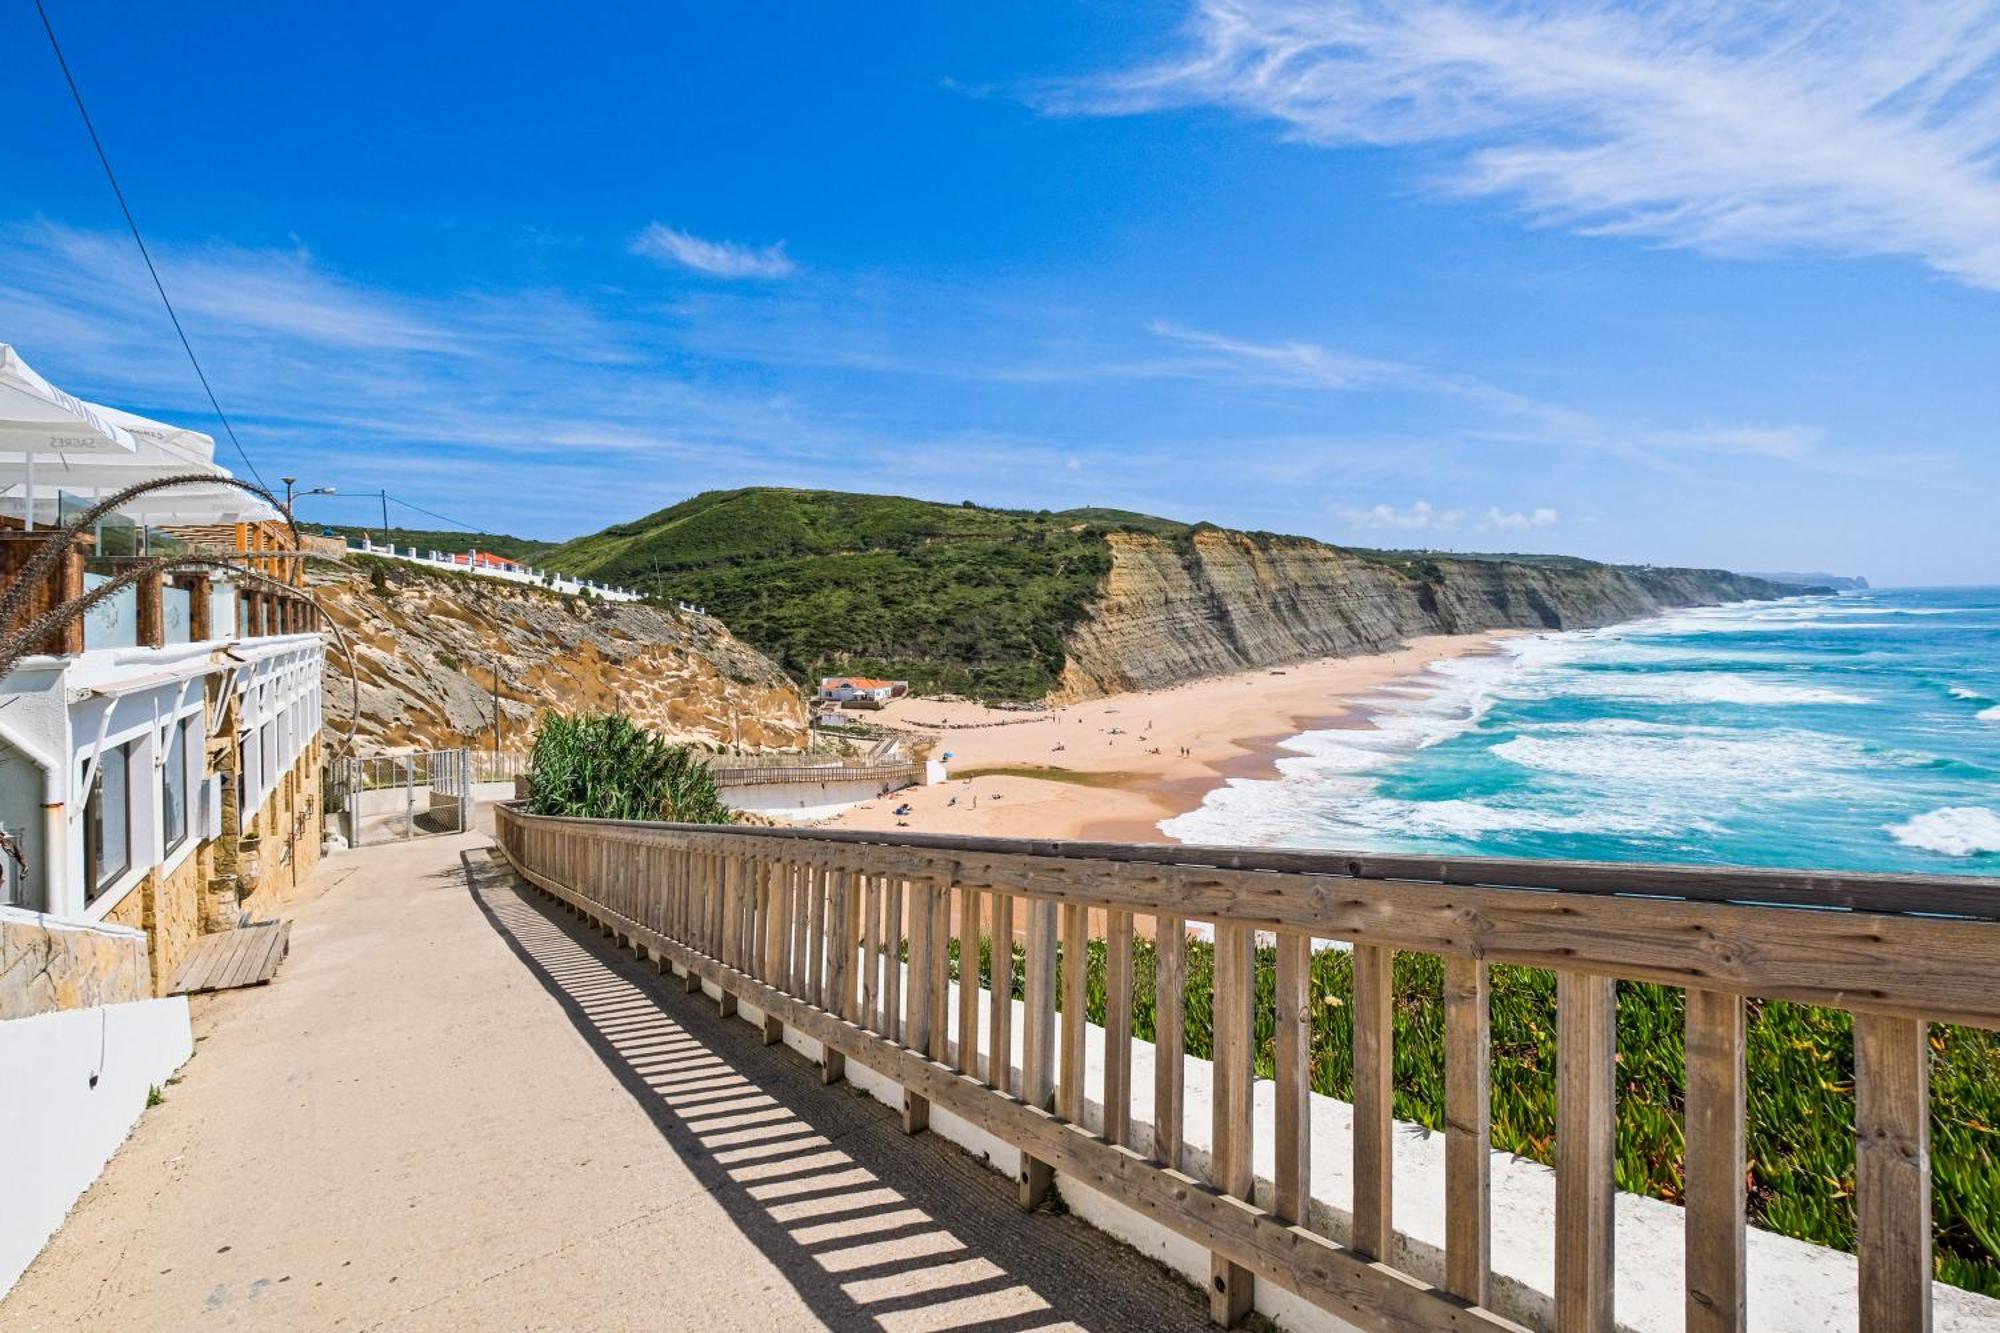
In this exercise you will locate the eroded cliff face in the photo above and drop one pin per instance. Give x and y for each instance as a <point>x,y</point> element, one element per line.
<point>426,647</point>
<point>1224,601</point>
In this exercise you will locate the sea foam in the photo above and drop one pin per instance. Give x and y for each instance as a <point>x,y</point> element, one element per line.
<point>1954,830</point>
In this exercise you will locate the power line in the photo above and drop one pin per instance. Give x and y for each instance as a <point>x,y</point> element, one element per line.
<point>474,529</point>
<point>105,160</point>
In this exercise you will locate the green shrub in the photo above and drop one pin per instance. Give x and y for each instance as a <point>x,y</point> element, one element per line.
<point>605,766</point>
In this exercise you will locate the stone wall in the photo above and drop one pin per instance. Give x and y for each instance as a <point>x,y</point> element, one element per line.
<point>47,965</point>
<point>290,826</point>
<point>200,896</point>
<point>168,908</point>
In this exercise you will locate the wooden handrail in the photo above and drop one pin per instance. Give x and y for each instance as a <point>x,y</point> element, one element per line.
<point>807,926</point>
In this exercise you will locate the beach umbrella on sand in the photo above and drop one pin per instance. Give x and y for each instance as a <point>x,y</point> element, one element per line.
<point>38,419</point>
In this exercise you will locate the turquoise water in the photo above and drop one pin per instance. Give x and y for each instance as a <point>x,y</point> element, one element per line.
<point>1858,732</point>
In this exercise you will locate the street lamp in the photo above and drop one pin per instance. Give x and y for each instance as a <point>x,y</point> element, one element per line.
<point>289,497</point>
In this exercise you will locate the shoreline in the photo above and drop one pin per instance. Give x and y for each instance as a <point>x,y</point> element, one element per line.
<point>1112,769</point>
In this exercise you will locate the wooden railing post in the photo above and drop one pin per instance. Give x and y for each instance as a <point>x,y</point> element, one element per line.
<point>892,961</point>
<point>1000,1010</point>
<point>923,1017</point>
<point>871,953</point>
<point>1714,1230</point>
<point>939,979</point>
<point>968,981</point>
<point>1292,1123</point>
<point>1070,1091</point>
<point>1038,1020</point>
<point>1468,1119</point>
<point>1374,1101</point>
<point>1169,1037</point>
<point>1586,1125</point>
<point>1892,1172</point>
<point>772,907</point>
<point>1118,1028</point>
<point>839,946</point>
<point>1231,1286</point>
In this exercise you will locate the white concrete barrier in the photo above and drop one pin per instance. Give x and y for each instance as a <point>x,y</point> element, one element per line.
<point>74,1083</point>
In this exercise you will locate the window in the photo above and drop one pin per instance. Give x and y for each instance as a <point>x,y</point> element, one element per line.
<point>174,788</point>
<point>267,775</point>
<point>107,822</point>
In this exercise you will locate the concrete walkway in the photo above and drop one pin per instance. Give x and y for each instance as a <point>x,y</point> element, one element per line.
<point>453,1109</point>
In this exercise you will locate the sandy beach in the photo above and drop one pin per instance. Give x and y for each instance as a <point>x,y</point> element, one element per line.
<point>1114,768</point>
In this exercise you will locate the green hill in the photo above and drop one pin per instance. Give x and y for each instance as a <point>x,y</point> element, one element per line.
<point>953,598</point>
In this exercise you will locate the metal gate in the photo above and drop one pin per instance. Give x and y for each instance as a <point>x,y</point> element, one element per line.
<point>389,797</point>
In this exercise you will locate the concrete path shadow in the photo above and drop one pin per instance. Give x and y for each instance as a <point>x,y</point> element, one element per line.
<point>873,1229</point>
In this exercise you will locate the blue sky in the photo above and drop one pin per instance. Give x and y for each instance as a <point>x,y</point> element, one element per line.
<point>1663,284</point>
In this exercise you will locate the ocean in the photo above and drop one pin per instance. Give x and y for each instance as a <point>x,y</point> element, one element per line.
<point>1858,732</point>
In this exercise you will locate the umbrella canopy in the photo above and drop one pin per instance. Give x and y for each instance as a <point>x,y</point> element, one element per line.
<point>38,418</point>
<point>191,443</point>
<point>199,504</point>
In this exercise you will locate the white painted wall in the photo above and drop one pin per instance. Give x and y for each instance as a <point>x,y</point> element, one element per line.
<point>801,801</point>
<point>57,1129</point>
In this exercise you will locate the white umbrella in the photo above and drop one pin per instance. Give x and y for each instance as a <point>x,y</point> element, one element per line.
<point>182,441</point>
<point>38,418</point>
<point>200,504</point>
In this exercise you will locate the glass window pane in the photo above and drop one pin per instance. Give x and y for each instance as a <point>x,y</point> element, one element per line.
<point>107,826</point>
<point>173,790</point>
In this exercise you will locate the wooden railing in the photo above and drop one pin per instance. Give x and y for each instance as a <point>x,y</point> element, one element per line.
<point>805,926</point>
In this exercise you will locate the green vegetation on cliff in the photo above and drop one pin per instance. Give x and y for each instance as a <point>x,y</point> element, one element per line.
<point>954,598</point>
<point>996,603</point>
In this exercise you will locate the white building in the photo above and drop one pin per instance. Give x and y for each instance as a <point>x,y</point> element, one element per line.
<point>159,768</point>
<point>860,691</point>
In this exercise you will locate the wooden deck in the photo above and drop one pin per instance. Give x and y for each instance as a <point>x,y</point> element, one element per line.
<point>246,956</point>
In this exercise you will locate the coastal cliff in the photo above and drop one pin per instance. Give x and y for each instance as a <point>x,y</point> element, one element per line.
<point>427,646</point>
<point>1175,609</point>
<point>1018,605</point>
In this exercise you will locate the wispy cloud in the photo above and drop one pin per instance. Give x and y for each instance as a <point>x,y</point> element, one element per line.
<point>1419,517</point>
<point>1518,520</point>
<point>1731,129</point>
<point>722,259</point>
<point>1423,516</point>
<point>1292,363</point>
<point>1491,413</point>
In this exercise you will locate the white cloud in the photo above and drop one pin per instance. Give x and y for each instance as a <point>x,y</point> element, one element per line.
<point>1732,129</point>
<point>721,259</point>
<point>1419,517</point>
<point>1296,363</point>
<point>1517,521</point>
<point>1500,415</point>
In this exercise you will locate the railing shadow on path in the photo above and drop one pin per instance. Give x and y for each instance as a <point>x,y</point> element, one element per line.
<point>872,1228</point>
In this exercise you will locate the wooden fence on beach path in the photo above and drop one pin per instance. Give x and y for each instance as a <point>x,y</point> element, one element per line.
<point>804,926</point>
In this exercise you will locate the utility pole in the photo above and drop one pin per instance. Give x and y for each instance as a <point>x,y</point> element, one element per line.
<point>496,704</point>
<point>385,518</point>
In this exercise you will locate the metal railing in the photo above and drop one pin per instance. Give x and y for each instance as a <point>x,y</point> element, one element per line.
<point>808,926</point>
